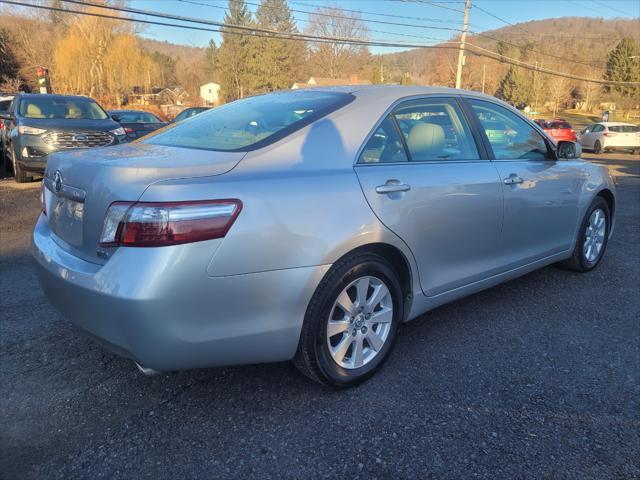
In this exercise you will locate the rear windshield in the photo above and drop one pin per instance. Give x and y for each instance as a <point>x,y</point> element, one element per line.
<point>624,128</point>
<point>558,125</point>
<point>47,107</point>
<point>251,123</point>
<point>136,117</point>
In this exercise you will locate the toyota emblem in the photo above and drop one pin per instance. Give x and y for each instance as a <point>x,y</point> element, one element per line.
<point>57,181</point>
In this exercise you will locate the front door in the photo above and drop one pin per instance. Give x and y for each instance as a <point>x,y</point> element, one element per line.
<point>540,193</point>
<point>423,176</point>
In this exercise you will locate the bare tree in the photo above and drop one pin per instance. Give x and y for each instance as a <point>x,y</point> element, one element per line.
<point>335,59</point>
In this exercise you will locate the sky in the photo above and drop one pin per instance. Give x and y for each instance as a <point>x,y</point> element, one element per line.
<point>512,11</point>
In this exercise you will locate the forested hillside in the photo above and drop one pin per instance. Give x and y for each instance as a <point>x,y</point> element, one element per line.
<point>74,47</point>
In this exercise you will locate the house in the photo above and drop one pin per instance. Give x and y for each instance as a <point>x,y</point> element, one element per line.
<point>209,93</point>
<point>158,96</point>
<point>330,82</point>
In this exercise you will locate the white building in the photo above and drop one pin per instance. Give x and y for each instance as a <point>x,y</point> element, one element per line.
<point>209,93</point>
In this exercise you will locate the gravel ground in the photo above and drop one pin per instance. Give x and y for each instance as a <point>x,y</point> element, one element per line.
<point>536,378</point>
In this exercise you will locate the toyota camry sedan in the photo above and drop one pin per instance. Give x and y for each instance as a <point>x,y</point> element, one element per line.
<point>308,225</point>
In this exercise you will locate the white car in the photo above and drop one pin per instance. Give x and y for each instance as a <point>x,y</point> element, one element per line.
<point>604,136</point>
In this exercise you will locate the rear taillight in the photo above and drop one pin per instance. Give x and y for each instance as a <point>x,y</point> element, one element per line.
<point>609,134</point>
<point>1,124</point>
<point>43,199</point>
<point>154,224</point>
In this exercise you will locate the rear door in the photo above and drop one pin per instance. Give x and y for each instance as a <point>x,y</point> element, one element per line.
<point>428,180</point>
<point>540,193</point>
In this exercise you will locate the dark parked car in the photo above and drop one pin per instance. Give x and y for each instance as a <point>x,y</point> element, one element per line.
<point>136,123</point>
<point>189,112</point>
<point>5,102</point>
<point>40,124</point>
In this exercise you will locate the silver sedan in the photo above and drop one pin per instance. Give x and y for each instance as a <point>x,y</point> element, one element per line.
<point>308,225</point>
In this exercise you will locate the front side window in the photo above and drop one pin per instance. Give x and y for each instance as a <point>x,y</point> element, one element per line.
<point>598,128</point>
<point>251,123</point>
<point>61,108</point>
<point>435,130</point>
<point>510,136</point>
<point>385,146</point>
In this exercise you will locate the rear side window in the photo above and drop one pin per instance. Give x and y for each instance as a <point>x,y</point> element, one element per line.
<point>435,130</point>
<point>510,136</point>
<point>385,146</point>
<point>251,123</point>
<point>624,128</point>
<point>597,128</point>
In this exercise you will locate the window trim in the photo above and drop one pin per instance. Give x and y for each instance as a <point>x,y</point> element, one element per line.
<point>551,150</point>
<point>456,98</point>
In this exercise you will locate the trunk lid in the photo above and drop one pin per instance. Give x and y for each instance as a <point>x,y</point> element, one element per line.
<point>81,184</point>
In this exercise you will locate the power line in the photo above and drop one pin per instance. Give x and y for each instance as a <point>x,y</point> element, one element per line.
<point>437,4</point>
<point>388,15</point>
<point>252,31</point>
<point>479,34</point>
<point>193,2</point>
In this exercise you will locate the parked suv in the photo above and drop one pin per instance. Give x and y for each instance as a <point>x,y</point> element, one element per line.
<point>40,124</point>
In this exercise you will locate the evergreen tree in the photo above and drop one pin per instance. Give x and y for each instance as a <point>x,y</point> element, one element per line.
<point>234,53</point>
<point>276,62</point>
<point>623,65</point>
<point>166,70</point>
<point>210,61</point>
<point>513,87</point>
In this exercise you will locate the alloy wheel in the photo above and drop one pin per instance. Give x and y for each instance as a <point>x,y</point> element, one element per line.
<point>360,322</point>
<point>594,235</point>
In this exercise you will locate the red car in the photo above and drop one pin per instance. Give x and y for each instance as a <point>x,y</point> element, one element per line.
<point>559,129</point>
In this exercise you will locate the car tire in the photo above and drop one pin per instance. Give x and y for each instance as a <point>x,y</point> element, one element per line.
<point>580,260</point>
<point>19,175</point>
<point>597,147</point>
<point>337,346</point>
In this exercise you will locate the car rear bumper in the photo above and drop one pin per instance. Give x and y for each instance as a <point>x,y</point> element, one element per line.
<point>201,321</point>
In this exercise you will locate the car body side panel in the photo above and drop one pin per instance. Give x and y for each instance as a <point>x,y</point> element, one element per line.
<point>302,193</point>
<point>541,213</point>
<point>179,317</point>
<point>451,218</point>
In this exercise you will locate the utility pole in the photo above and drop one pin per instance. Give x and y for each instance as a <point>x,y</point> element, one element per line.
<point>463,38</point>
<point>484,72</point>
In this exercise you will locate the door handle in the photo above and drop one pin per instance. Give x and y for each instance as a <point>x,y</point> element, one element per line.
<point>513,179</point>
<point>393,188</point>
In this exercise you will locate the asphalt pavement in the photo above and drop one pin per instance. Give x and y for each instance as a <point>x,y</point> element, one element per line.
<point>536,378</point>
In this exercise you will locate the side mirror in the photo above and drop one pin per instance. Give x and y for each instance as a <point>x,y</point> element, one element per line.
<point>116,118</point>
<point>568,150</point>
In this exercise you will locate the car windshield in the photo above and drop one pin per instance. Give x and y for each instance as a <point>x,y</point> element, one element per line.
<point>251,123</point>
<point>624,128</point>
<point>136,117</point>
<point>68,108</point>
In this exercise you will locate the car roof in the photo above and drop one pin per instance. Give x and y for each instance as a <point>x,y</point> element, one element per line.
<point>613,124</point>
